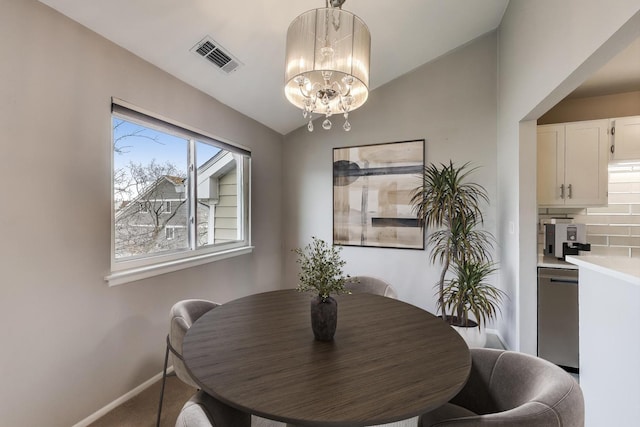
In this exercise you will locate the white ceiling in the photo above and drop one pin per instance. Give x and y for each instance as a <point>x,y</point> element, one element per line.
<point>404,35</point>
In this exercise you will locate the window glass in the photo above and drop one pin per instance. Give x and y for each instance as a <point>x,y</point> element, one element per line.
<point>150,170</point>
<point>176,193</point>
<point>218,205</point>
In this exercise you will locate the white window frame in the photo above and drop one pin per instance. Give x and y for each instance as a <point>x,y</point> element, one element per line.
<point>125,271</point>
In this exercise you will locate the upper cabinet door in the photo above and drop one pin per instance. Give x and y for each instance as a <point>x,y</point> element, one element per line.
<point>550,166</point>
<point>586,163</point>
<point>626,139</point>
<point>573,164</point>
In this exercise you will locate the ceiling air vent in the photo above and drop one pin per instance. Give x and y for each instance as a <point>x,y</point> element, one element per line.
<point>210,50</point>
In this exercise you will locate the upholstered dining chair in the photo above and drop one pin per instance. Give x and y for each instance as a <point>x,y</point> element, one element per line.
<point>371,285</point>
<point>182,315</point>
<point>202,410</point>
<point>507,388</point>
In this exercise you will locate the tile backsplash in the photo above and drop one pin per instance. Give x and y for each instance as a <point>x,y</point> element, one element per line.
<point>611,230</point>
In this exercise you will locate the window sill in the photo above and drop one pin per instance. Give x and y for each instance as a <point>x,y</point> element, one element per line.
<point>138,273</point>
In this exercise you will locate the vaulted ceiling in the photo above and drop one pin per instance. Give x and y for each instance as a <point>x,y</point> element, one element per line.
<point>405,34</point>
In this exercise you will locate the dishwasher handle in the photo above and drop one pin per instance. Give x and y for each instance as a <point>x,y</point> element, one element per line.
<point>556,280</point>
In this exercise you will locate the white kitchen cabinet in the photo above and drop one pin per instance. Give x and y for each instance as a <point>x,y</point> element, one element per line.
<point>626,139</point>
<point>573,164</point>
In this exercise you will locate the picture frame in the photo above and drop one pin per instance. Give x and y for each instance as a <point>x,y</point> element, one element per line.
<point>372,187</point>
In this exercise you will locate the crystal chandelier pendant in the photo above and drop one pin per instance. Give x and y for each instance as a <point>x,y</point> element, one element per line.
<point>327,63</point>
<point>347,125</point>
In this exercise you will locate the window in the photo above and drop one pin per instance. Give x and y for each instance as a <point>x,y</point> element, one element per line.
<point>180,198</point>
<point>170,233</point>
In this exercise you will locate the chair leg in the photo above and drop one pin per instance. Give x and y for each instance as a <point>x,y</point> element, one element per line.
<point>164,378</point>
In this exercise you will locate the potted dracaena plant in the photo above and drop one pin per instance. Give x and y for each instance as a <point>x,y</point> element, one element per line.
<point>321,273</point>
<point>451,205</point>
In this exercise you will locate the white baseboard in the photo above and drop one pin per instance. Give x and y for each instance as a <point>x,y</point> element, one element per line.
<point>119,401</point>
<point>500,338</point>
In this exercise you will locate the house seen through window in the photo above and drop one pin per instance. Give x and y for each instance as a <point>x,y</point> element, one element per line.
<point>176,193</point>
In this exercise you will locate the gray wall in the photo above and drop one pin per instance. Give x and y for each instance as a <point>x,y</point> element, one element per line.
<point>451,103</point>
<point>546,49</point>
<point>71,344</point>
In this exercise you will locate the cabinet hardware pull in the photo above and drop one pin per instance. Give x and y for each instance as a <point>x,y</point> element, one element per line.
<point>613,148</point>
<point>562,191</point>
<point>570,191</point>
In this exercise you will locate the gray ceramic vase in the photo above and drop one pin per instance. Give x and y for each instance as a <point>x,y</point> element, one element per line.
<point>324,318</point>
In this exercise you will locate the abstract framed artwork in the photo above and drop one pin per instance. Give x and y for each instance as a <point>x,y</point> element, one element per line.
<point>372,187</point>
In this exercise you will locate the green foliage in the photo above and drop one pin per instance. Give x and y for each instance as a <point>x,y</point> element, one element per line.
<point>459,240</point>
<point>468,292</point>
<point>444,195</point>
<point>321,269</point>
<point>448,203</point>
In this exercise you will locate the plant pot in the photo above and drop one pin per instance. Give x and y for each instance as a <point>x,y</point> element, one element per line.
<point>470,333</point>
<point>474,337</point>
<point>324,318</point>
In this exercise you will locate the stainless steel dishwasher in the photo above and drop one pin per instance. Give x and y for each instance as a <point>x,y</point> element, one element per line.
<point>558,317</point>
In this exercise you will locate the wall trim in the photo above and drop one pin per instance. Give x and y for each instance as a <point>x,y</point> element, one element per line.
<point>500,338</point>
<point>119,401</point>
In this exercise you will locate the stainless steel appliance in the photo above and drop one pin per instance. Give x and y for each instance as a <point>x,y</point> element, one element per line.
<point>565,239</point>
<point>558,317</point>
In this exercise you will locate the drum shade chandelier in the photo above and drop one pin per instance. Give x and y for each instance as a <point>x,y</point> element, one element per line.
<point>327,63</point>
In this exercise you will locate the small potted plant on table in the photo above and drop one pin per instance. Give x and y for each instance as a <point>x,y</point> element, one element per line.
<point>321,273</point>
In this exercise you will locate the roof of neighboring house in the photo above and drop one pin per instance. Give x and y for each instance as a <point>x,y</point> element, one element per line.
<point>176,180</point>
<point>170,179</point>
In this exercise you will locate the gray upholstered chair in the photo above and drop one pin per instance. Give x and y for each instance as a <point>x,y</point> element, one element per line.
<point>371,285</point>
<point>183,314</point>
<point>203,410</point>
<point>506,388</point>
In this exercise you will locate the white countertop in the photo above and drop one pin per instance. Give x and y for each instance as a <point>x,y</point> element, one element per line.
<point>553,262</point>
<point>623,268</point>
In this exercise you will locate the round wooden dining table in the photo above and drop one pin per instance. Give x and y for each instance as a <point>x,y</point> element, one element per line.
<point>388,361</point>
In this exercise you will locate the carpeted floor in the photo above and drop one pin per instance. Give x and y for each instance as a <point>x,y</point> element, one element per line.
<point>142,410</point>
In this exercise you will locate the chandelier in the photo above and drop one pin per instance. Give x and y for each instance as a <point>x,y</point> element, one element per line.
<point>327,63</point>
